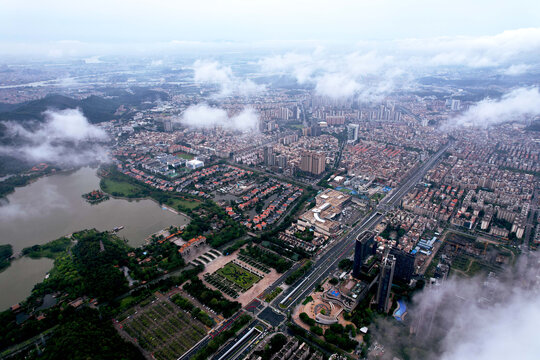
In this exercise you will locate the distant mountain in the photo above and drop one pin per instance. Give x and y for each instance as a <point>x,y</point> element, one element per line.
<point>96,108</point>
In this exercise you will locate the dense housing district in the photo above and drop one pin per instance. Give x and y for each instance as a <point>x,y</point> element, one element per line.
<point>303,233</point>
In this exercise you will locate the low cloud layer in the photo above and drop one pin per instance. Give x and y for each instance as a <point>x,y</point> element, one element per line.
<point>364,75</point>
<point>471,319</point>
<point>204,116</point>
<point>516,105</point>
<point>65,138</point>
<point>372,70</point>
<point>212,72</point>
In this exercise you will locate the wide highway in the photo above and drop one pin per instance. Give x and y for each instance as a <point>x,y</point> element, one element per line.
<point>326,263</point>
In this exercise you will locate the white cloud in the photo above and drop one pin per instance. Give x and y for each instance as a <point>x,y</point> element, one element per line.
<point>66,137</point>
<point>470,318</point>
<point>212,72</point>
<point>366,75</point>
<point>204,116</point>
<point>517,69</point>
<point>93,60</point>
<point>474,51</point>
<point>516,105</point>
<point>336,86</point>
<point>371,70</point>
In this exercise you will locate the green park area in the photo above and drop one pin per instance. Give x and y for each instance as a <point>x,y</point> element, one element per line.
<point>52,250</point>
<point>183,203</point>
<point>164,330</point>
<point>183,155</point>
<point>239,276</point>
<point>120,188</point>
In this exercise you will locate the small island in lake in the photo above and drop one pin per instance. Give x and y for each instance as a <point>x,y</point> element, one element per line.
<point>95,196</point>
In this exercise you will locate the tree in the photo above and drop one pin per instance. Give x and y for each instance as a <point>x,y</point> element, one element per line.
<point>345,264</point>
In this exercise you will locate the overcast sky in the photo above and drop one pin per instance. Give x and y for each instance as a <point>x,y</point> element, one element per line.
<point>253,21</point>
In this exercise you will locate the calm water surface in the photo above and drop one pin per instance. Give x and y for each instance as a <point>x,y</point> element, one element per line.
<point>52,207</point>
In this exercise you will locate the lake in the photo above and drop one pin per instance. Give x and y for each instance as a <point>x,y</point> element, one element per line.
<point>52,207</point>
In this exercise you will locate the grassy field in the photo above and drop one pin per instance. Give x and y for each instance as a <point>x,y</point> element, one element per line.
<point>120,188</point>
<point>186,156</point>
<point>164,330</point>
<point>239,276</point>
<point>186,204</point>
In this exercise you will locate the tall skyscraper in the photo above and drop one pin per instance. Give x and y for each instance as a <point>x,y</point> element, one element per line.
<point>385,282</point>
<point>363,249</point>
<point>268,155</point>
<point>404,264</point>
<point>352,133</point>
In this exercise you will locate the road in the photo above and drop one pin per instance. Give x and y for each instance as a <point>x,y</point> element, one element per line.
<point>326,263</point>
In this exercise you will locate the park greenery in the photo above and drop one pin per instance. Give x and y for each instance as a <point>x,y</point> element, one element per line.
<point>304,334</point>
<point>273,294</point>
<point>306,235</point>
<point>307,300</point>
<point>83,335</point>
<point>211,298</point>
<point>50,250</point>
<point>197,313</point>
<point>239,276</point>
<point>336,334</point>
<point>6,251</point>
<point>345,264</point>
<point>267,258</point>
<point>306,319</point>
<point>91,268</point>
<point>235,246</point>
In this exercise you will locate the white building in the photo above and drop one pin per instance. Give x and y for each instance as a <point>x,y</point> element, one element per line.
<point>194,164</point>
<point>352,133</point>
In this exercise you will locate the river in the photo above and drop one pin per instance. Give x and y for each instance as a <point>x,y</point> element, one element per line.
<point>52,207</point>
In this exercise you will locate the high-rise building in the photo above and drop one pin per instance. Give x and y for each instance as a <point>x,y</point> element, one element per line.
<point>313,163</point>
<point>352,133</point>
<point>335,120</point>
<point>167,125</point>
<point>404,265</point>
<point>363,249</point>
<point>305,161</point>
<point>281,161</point>
<point>385,282</point>
<point>455,105</point>
<point>318,163</point>
<point>316,130</point>
<point>268,155</point>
